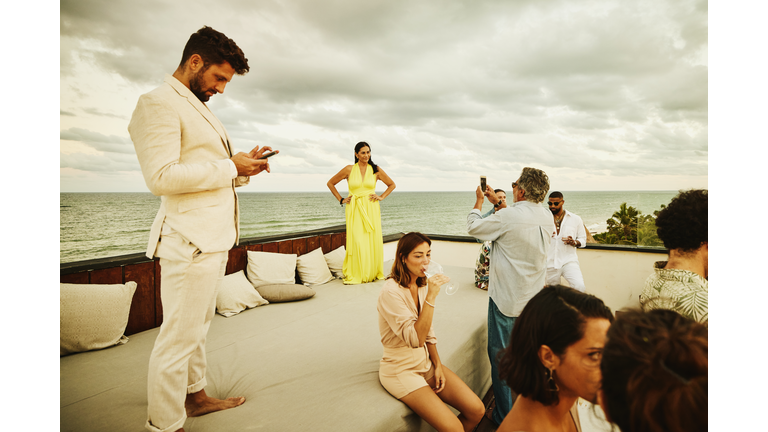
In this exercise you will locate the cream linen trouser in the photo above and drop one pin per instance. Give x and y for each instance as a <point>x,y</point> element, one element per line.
<point>571,272</point>
<point>188,285</point>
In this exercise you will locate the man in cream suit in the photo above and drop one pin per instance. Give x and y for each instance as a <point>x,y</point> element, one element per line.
<point>186,159</point>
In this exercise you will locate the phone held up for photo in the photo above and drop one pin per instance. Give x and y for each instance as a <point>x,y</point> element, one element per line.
<point>482,183</point>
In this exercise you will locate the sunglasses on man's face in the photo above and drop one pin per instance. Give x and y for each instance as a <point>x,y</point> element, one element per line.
<point>555,204</point>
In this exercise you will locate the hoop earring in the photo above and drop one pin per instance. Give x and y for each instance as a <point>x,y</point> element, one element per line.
<point>551,381</point>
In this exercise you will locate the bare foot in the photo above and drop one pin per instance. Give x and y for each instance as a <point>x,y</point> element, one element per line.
<point>199,403</point>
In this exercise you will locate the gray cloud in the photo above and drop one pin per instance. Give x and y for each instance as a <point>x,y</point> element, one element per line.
<point>100,113</point>
<point>434,86</point>
<point>103,164</point>
<point>111,143</point>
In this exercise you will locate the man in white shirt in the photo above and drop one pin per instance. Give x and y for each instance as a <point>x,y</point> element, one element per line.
<point>571,234</point>
<point>521,236</point>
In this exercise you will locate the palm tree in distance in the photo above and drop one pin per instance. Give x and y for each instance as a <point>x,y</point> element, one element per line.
<point>630,227</point>
<point>626,219</point>
<point>622,226</point>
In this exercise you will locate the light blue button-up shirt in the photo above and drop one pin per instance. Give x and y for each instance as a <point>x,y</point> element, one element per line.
<point>521,234</point>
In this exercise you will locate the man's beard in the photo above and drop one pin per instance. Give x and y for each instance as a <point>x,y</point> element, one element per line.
<point>555,211</point>
<point>196,86</point>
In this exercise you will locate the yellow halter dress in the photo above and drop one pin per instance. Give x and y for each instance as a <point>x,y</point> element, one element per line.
<point>364,261</point>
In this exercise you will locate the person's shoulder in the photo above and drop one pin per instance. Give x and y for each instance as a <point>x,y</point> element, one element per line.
<point>391,284</point>
<point>390,289</point>
<point>344,172</point>
<point>162,94</point>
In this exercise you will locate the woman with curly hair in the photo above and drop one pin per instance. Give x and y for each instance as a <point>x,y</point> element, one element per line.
<point>654,371</point>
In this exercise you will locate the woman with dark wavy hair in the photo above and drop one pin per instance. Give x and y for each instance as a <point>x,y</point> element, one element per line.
<point>410,368</point>
<point>553,359</point>
<point>655,373</point>
<point>364,261</point>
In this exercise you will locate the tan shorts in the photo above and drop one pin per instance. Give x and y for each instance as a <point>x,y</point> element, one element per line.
<point>404,370</point>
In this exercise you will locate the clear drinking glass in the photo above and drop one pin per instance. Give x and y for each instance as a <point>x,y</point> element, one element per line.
<point>434,268</point>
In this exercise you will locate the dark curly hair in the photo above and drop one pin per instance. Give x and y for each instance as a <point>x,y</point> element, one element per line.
<point>215,48</point>
<point>683,223</point>
<point>655,372</point>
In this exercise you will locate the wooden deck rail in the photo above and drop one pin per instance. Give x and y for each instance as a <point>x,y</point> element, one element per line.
<point>146,308</point>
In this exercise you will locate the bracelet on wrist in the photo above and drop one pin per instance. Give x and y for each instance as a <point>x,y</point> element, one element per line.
<point>341,201</point>
<point>427,302</point>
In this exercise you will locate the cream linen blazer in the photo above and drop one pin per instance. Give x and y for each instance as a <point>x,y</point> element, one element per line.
<point>183,150</point>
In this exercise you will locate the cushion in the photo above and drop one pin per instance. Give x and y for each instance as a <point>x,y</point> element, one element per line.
<point>266,268</point>
<point>335,261</point>
<point>277,293</point>
<point>93,316</point>
<point>236,294</point>
<point>313,269</point>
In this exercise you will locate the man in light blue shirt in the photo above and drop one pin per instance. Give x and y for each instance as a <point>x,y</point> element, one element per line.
<point>521,235</point>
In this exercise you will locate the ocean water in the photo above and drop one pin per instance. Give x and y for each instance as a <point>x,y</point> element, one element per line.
<point>97,225</point>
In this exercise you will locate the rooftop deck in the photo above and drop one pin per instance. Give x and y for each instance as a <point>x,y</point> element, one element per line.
<point>615,274</point>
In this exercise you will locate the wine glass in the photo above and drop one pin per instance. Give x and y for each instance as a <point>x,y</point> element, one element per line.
<point>434,268</point>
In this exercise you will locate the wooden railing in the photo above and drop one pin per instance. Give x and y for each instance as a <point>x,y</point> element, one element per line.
<point>146,308</point>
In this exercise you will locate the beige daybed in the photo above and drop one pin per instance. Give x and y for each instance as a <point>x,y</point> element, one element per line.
<point>309,365</point>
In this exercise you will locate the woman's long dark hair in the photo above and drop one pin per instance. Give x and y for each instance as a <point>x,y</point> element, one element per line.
<point>359,146</point>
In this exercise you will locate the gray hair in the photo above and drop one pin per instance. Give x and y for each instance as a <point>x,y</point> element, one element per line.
<point>535,183</point>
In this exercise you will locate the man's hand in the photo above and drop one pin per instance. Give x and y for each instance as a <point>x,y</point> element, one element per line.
<point>249,164</point>
<point>480,199</point>
<point>492,197</point>
<point>256,153</point>
<point>571,242</point>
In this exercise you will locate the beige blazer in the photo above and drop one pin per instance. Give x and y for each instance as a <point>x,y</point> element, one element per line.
<point>183,150</point>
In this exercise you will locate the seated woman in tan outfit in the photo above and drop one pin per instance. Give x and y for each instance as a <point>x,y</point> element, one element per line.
<point>410,368</point>
<point>553,359</point>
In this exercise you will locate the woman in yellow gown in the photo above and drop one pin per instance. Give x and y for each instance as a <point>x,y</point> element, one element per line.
<point>364,260</point>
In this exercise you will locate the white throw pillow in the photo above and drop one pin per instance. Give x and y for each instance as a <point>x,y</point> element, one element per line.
<point>335,261</point>
<point>93,316</point>
<point>266,268</point>
<point>313,269</point>
<point>236,294</point>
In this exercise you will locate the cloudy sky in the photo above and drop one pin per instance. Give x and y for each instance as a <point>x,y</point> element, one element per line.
<point>602,95</point>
